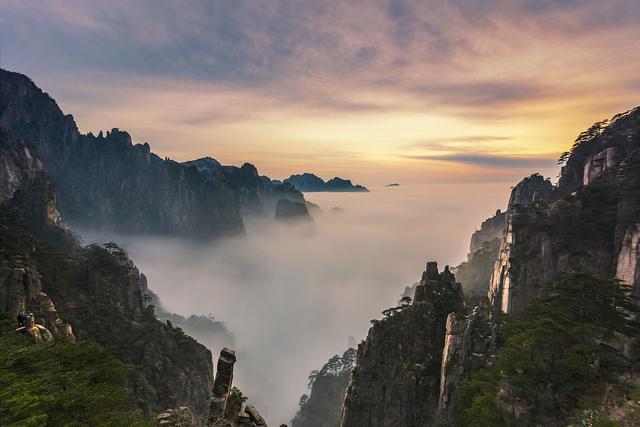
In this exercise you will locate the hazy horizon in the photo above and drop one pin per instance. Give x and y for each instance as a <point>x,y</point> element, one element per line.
<point>376,91</point>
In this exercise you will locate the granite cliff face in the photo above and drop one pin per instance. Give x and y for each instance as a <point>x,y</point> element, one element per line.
<point>397,376</point>
<point>589,223</point>
<point>475,273</point>
<point>106,181</point>
<point>98,291</point>
<point>471,344</point>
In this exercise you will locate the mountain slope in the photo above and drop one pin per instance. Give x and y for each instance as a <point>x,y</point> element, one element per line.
<point>97,290</point>
<point>106,181</point>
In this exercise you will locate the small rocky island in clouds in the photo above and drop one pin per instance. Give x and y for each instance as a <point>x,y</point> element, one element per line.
<point>308,182</point>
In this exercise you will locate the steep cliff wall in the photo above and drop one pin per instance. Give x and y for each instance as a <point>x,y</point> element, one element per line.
<point>471,343</point>
<point>107,181</point>
<point>590,223</point>
<point>486,243</point>
<point>96,290</point>
<point>396,378</point>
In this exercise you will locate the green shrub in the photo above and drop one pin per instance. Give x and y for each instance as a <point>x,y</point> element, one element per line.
<point>60,383</point>
<point>553,355</point>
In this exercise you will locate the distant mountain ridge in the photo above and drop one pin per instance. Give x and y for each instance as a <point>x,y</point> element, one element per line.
<point>107,182</point>
<point>259,195</point>
<point>308,182</point>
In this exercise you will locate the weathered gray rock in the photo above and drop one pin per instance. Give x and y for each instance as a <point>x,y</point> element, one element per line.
<point>107,182</point>
<point>592,227</point>
<point>97,290</point>
<point>222,384</point>
<point>532,189</point>
<point>470,344</point>
<point>396,378</point>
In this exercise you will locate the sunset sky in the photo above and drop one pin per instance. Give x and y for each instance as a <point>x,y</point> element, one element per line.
<point>377,91</point>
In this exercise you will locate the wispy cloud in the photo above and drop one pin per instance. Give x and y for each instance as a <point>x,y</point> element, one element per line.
<point>491,160</point>
<point>485,66</point>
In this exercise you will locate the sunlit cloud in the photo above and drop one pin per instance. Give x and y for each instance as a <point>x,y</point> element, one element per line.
<point>263,81</point>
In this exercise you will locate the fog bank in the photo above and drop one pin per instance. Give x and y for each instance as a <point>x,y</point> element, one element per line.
<point>293,298</point>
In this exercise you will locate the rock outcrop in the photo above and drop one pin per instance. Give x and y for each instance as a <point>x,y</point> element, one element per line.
<point>532,189</point>
<point>589,225</point>
<point>97,290</point>
<point>470,345</point>
<point>396,378</point>
<point>308,182</point>
<point>106,181</point>
<point>222,385</point>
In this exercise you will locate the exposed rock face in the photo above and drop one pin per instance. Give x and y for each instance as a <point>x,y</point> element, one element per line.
<point>308,182</point>
<point>396,379</point>
<point>470,344</point>
<point>17,165</point>
<point>475,273</point>
<point>98,291</point>
<point>323,406</point>
<point>222,384</point>
<point>593,227</point>
<point>601,147</point>
<point>21,291</point>
<point>628,261</point>
<point>108,182</point>
<point>534,188</point>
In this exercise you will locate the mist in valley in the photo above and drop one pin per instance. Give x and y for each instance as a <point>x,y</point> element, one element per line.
<point>293,295</point>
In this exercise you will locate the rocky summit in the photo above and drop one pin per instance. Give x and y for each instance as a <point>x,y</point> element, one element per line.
<point>396,378</point>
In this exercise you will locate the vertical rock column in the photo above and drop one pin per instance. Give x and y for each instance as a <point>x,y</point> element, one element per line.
<point>222,384</point>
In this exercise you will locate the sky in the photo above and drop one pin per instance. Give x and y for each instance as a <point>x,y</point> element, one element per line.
<point>376,91</point>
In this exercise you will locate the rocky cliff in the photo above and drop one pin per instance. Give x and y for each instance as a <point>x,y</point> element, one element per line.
<point>97,291</point>
<point>108,182</point>
<point>591,224</point>
<point>475,273</point>
<point>397,376</point>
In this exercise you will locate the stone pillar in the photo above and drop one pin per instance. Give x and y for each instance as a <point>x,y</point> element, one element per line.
<point>222,384</point>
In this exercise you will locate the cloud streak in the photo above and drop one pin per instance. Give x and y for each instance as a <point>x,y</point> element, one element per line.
<point>490,161</point>
<point>539,71</point>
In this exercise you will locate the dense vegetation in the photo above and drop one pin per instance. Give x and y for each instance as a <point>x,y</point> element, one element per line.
<point>556,357</point>
<point>60,383</point>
